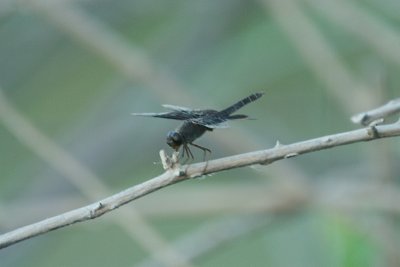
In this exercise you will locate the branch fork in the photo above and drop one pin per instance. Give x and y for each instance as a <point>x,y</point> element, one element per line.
<point>376,116</point>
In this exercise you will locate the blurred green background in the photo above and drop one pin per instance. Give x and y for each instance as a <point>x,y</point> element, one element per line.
<point>72,71</point>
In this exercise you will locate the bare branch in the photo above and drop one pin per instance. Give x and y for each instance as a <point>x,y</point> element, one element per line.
<point>195,170</point>
<point>378,114</point>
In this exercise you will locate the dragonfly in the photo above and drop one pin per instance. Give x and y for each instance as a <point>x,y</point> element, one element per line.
<point>198,121</point>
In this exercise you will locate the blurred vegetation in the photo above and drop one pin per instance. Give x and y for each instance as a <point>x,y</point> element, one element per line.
<point>76,69</point>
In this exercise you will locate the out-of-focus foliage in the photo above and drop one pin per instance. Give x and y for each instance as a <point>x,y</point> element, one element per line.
<point>78,88</point>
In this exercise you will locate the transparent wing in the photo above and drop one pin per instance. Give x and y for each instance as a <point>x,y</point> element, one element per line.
<point>211,121</point>
<point>208,117</point>
<point>216,126</point>
<point>150,114</point>
<point>177,108</point>
<point>178,113</point>
<point>174,115</point>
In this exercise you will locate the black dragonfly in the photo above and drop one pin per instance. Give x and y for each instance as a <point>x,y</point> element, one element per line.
<point>197,121</point>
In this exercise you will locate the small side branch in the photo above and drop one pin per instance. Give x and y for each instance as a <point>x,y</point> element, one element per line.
<point>378,114</point>
<point>185,172</point>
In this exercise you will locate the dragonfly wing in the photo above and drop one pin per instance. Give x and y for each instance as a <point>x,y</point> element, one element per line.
<point>211,122</point>
<point>219,125</point>
<point>174,115</point>
<point>177,108</point>
<point>149,114</point>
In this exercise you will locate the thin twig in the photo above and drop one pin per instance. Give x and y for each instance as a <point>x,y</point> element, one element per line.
<point>368,117</point>
<point>173,176</point>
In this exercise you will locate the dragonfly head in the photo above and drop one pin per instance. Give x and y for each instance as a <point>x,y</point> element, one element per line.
<point>174,140</point>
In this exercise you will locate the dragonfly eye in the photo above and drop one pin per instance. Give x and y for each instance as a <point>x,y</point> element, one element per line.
<point>174,140</point>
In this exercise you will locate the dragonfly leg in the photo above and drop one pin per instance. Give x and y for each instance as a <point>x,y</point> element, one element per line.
<point>186,153</point>
<point>205,150</point>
